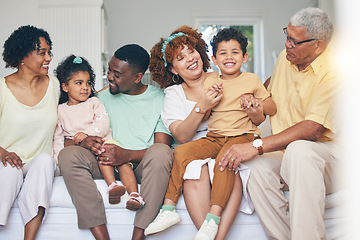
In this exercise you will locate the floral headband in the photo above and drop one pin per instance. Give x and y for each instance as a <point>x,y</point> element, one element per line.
<point>169,39</point>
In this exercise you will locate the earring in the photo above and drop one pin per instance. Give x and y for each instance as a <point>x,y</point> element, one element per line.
<point>177,79</point>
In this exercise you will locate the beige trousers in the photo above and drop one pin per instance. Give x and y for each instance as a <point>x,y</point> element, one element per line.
<point>79,167</point>
<point>310,171</point>
<point>32,186</point>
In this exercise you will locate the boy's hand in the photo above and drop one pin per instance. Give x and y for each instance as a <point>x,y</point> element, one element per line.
<point>253,108</point>
<point>79,137</point>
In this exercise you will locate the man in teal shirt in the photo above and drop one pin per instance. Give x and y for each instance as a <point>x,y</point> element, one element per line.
<point>134,111</point>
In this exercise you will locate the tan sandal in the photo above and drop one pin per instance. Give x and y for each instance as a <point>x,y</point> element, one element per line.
<point>135,203</point>
<point>115,192</point>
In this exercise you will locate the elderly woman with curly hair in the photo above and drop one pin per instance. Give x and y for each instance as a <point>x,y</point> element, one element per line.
<point>179,64</point>
<point>28,103</point>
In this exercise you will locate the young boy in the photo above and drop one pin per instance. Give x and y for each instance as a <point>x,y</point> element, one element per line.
<point>234,120</point>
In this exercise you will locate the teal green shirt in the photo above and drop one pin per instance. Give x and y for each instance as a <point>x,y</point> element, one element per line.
<point>134,119</point>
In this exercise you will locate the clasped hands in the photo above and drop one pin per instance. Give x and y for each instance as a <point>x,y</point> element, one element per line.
<point>253,107</point>
<point>210,97</point>
<point>239,153</point>
<point>107,154</point>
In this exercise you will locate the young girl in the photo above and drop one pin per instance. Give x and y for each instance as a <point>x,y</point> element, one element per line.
<point>80,114</point>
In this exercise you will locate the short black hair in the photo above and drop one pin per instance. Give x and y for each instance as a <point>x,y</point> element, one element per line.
<point>67,68</point>
<point>227,34</point>
<point>21,42</point>
<point>136,56</point>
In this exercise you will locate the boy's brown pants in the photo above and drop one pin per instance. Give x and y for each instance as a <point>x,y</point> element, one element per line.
<point>214,146</point>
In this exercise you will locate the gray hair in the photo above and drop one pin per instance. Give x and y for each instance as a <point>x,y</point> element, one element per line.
<point>317,23</point>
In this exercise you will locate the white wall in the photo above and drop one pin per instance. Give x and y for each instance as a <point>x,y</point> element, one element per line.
<point>74,28</point>
<point>144,22</point>
<point>15,13</point>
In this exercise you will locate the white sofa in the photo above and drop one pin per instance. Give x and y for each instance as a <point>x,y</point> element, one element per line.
<point>61,222</point>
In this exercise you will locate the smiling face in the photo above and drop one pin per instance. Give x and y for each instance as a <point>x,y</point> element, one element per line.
<point>78,87</point>
<point>229,58</point>
<point>37,62</point>
<point>121,77</point>
<point>188,64</point>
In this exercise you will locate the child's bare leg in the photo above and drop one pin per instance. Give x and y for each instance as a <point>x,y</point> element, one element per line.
<point>216,210</point>
<point>108,174</point>
<point>115,191</point>
<point>127,177</point>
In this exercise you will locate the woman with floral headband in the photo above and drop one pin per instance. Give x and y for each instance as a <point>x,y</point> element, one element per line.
<point>179,64</point>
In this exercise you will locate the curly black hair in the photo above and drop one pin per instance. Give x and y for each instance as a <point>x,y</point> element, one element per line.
<point>227,34</point>
<point>67,68</point>
<point>192,39</point>
<point>21,42</point>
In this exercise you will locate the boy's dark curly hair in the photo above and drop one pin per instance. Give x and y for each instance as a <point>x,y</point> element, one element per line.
<point>67,68</point>
<point>21,42</point>
<point>227,34</point>
<point>192,39</point>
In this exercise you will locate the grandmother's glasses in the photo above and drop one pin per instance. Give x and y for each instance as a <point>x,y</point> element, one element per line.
<point>293,44</point>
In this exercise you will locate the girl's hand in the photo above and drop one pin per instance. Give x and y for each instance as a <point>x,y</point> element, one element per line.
<point>13,159</point>
<point>79,137</point>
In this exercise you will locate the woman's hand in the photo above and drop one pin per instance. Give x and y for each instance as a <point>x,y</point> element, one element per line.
<point>13,159</point>
<point>210,97</point>
<point>236,154</point>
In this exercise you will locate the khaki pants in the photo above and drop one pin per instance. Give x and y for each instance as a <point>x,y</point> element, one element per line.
<point>214,146</point>
<point>310,171</point>
<point>79,167</point>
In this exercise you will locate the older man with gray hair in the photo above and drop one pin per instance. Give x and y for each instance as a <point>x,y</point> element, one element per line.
<point>301,155</point>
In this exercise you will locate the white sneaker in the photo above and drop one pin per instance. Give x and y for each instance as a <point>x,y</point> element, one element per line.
<point>163,221</point>
<point>207,231</point>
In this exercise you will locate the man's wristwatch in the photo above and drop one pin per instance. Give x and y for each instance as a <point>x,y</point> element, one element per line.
<point>258,144</point>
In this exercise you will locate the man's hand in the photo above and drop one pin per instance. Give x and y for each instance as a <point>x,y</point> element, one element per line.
<point>114,155</point>
<point>94,144</point>
<point>236,154</point>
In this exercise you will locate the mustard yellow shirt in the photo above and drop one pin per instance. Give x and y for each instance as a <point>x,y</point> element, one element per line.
<point>228,118</point>
<point>303,95</point>
<point>25,130</point>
